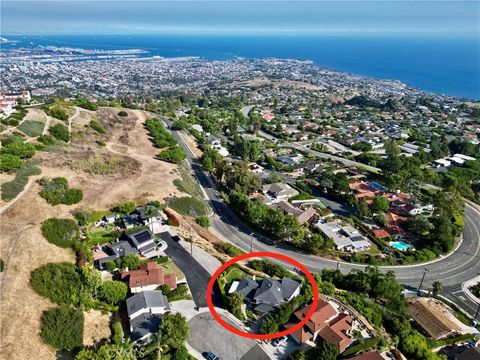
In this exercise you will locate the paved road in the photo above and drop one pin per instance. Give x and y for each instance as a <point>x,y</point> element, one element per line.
<point>460,266</point>
<point>206,334</point>
<point>197,277</point>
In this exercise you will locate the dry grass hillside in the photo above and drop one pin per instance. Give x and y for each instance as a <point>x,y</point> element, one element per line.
<point>110,166</point>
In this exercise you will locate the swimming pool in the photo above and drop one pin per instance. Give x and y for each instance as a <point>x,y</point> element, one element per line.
<point>400,245</point>
<point>377,186</point>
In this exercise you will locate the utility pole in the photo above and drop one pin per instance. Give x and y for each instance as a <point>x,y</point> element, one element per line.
<point>338,265</point>
<point>191,244</point>
<point>421,282</point>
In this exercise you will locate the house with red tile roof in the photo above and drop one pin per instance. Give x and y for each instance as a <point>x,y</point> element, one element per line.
<point>395,227</point>
<point>325,323</point>
<point>148,277</point>
<point>363,190</point>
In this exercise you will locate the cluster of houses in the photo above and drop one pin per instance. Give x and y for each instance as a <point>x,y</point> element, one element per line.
<point>457,160</point>
<point>276,195</point>
<point>146,305</point>
<point>140,241</point>
<point>401,207</point>
<point>9,101</point>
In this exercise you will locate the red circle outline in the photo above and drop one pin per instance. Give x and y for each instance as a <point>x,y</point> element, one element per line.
<point>262,336</point>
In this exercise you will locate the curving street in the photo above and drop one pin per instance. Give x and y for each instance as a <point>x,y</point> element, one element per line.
<point>452,270</point>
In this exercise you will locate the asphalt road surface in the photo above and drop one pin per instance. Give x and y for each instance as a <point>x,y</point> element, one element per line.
<point>461,265</point>
<point>197,277</point>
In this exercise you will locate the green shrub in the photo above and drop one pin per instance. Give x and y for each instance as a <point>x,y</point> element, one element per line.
<point>122,113</point>
<point>60,132</point>
<point>57,113</point>
<point>20,149</point>
<point>10,163</point>
<point>130,261</point>
<point>46,139</point>
<point>174,154</point>
<point>156,204</point>
<point>113,292</point>
<point>125,208</point>
<point>180,292</point>
<point>95,125</point>
<point>269,267</point>
<point>203,221</point>
<point>59,282</point>
<point>2,265</point>
<point>86,104</point>
<point>161,136</point>
<point>101,143</point>
<point>56,192</point>
<point>227,248</point>
<point>61,232</point>
<point>62,327</point>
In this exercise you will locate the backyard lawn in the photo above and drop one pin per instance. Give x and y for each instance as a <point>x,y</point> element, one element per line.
<point>101,236</point>
<point>171,268</point>
<point>234,274</point>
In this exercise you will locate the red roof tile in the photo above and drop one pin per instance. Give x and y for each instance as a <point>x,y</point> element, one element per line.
<point>148,274</point>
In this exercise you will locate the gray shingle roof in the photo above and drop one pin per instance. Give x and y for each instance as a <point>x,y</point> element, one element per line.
<point>288,286</point>
<point>146,300</point>
<point>246,286</point>
<point>121,248</point>
<point>145,324</point>
<point>269,292</point>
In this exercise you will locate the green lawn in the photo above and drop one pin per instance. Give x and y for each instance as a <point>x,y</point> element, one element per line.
<point>234,274</point>
<point>171,268</point>
<point>101,236</point>
<point>31,128</point>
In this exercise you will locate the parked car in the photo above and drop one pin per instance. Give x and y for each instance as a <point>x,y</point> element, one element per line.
<point>210,356</point>
<point>279,341</point>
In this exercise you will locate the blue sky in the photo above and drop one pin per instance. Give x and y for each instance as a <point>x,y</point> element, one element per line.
<point>425,18</point>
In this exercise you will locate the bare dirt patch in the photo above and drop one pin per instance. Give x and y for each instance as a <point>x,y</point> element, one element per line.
<point>96,327</point>
<point>36,114</point>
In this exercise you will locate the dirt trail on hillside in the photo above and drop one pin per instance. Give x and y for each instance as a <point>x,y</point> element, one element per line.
<point>24,248</point>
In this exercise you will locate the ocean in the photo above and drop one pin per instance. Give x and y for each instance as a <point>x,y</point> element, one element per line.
<point>443,66</point>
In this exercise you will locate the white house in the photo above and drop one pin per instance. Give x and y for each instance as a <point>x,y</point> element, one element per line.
<point>151,302</point>
<point>274,193</point>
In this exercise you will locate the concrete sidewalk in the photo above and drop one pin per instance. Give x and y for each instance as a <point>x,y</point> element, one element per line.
<point>207,261</point>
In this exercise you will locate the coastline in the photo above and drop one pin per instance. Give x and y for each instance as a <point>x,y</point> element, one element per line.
<point>458,82</point>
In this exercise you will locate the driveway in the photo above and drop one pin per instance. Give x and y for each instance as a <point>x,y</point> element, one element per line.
<point>197,277</point>
<point>206,334</point>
